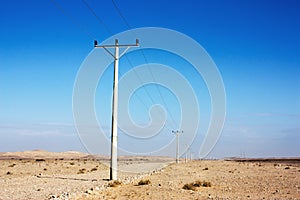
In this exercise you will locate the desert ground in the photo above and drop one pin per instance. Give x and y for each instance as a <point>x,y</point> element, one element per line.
<point>74,175</point>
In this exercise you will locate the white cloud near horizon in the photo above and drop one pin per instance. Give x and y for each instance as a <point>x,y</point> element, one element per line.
<point>39,129</point>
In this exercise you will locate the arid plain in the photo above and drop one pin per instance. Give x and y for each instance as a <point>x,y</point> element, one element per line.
<point>73,175</point>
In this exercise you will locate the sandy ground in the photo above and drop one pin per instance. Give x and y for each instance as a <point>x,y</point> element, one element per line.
<point>69,175</point>
<point>81,178</point>
<point>229,180</point>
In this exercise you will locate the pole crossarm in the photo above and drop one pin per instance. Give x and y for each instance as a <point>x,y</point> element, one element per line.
<point>118,45</point>
<point>106,47</point>
<point>114,127</point>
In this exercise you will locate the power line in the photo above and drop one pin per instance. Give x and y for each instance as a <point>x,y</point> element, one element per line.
<point>73,20</point>
<point>97,17</point>
<point>140,79</point>
<point>120,13</point>
<point>145,58</point>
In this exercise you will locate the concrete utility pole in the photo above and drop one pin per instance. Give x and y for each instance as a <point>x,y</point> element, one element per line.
<point>114,127</point>
<point>177,146</point>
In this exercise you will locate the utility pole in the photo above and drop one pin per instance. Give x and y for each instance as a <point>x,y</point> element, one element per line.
<point>114,127</point>
<point>177,145</point>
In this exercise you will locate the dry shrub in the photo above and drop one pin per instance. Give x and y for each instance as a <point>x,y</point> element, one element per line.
<point>206,184</point>
<point>81,171</point>
<point>144,182</point>
<point>94,169</point>
<point>189,186</point>
<point>197,184</point>
<point>192,186</point>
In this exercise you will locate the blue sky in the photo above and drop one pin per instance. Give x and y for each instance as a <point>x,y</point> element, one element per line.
<point>255,45</point>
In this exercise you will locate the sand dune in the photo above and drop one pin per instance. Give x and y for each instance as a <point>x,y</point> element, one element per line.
<point>42,154</point>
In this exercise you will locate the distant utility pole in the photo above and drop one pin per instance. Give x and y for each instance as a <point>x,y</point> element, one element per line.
<point>177,146</point>
<point>114,127</point>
